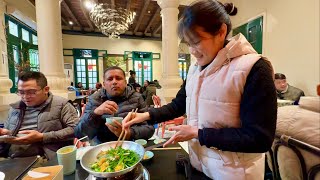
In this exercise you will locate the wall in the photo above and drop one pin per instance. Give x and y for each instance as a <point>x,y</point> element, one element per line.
<point>23,10</point>
<point>113,46</point>
<point>291,37</point>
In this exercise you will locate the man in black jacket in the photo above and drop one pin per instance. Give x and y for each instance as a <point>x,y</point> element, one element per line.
<point>115,99</point>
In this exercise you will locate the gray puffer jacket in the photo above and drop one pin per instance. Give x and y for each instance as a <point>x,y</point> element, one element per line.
<point>94,125</point>
<point>56,120</point>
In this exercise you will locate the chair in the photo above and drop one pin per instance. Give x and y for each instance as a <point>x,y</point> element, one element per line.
<point>304,159</point>
<point>176,121</point>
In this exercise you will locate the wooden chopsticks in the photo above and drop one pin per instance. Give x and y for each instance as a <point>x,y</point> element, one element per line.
<point>123,136</point>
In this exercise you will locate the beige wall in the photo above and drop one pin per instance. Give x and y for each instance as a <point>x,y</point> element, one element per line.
<point>291,37</point>
<point>23,10</point>
<point>114,46</point>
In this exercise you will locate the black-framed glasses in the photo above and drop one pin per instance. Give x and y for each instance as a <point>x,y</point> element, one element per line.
<point>29,92</point>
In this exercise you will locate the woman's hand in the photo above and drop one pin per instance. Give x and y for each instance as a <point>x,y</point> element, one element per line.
<point>134,118</point>
<point>183,133</point>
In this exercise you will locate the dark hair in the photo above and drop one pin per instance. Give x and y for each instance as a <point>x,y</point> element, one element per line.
<point>98,85</point>
<point>208,14</point>
<point>113,68</point>
<point>135,85</point>
<point>132,72</point>
<point>279,76</point>
<point>33,75</point>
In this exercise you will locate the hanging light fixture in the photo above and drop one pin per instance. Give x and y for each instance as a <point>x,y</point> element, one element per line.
<point>111,21</point>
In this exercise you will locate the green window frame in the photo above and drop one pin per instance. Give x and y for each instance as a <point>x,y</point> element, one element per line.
<point>86,67</point>
<point>22,49</point>
<point>142,65</point>
<point>253,31</point>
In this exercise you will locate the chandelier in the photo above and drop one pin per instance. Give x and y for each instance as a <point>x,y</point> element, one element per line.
<point>111,21</point>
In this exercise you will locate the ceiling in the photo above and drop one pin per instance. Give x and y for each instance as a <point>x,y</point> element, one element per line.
<point>146,25</point>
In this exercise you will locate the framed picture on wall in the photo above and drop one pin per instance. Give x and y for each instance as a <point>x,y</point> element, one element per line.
<point>115,60</point>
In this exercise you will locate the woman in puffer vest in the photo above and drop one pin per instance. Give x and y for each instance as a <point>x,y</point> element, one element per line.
<point>229,98</point>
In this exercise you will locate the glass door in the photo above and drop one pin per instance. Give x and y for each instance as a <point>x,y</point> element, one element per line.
<point>142,65</point>
<point>86,67</point>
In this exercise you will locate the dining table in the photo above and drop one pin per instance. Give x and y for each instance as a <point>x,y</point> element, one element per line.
<point>163,165</point>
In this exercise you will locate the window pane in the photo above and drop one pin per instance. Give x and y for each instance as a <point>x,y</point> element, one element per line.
<point>83,74</point>
<point>94,75</point>
<point>25,35</point>
<point>34,39</point>
<point>83,62</point>
<point>34,59</point>
<point>79,74</point>
<point>13,28</point>
<point>83,68</point>
<point>15,53</point>
<point>78,61</point>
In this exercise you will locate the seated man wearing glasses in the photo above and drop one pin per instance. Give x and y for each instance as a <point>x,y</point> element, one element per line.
<point>41,123</point>
<point>114,99</point>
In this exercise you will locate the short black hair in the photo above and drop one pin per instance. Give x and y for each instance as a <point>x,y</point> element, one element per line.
<point>132,72</point>
<point>114,68</point>
<point>279,76</point>
<point>33,75</point>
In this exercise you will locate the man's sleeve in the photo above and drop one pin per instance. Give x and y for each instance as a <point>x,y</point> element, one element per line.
<point>172,110</point>
<point>89,122</point>
<point>69,119</point>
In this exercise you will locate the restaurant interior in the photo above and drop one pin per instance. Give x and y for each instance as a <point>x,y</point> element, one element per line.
<point>75,41</point>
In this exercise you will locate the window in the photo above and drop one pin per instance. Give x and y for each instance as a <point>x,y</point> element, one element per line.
<point>86,70</point>
<point>25,35</point>
<point>16,61</point>
<point>22,49</point>
<point>184,63</point>
<point>142,64</point>
<point>34,39</point>
<point>13,28</point>
<point>34,60</point>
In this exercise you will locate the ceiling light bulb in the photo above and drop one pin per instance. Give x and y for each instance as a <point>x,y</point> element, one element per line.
<point>89,5</point>
<point>70,22</point>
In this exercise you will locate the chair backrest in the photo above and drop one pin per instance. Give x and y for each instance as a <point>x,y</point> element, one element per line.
<point>156,101</point>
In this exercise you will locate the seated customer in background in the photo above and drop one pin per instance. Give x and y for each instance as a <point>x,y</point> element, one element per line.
<point>115,99</point>
<point>285,91</point>
<point>44,122</point>
<point>97,87</point>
